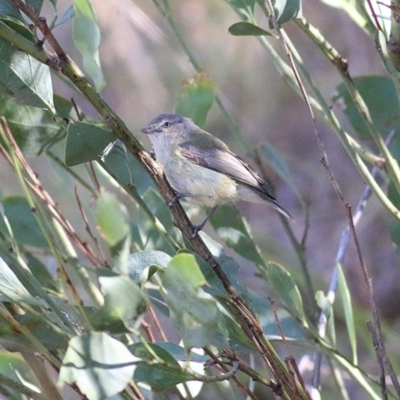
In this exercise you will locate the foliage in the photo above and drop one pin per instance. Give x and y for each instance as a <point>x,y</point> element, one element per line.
<point>101,318</point>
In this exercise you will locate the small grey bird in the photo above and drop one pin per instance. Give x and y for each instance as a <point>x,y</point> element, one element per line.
<point>201,168</point>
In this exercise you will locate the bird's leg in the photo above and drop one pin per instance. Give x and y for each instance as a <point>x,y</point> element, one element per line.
<point>198,228</point>
<point>177,197</point>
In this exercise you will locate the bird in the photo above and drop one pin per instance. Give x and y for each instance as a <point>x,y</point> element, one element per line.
<point>202,169</point>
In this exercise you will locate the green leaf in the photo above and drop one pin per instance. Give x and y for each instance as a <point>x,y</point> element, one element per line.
<point>24,78</point>
<point>274,158</point>
<point>86,36</point>
<point>100,365</point>
<point>326,307</point>
<point>235,231</point>
<point>243,7</point>
<point>149,234</point>
<point>195,314</point>
<point>348,311</point>
<point>35,5</point>
<point>112,218</point>
<point>380,96</point>
<point>67,16</point>
<point>33,128</point>
<point>160,377</point>
<point>180,354</point>
<point>394,224</point>
<point>247,29</point>
<point>139,264</point>
<point>126,168</point>
<point>285,287</point>
<point>358,11</point>
<point>286,10</point>
<point>86,142</point>
<point>123,301</point>
<point>12,288</point>
<point>25,228</point>
<point>9,8</point>
<point>153,352</point>
<point>196,98</point>
<point>288,324</point>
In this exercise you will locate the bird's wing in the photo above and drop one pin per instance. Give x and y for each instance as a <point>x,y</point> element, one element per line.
<point>215,155</point>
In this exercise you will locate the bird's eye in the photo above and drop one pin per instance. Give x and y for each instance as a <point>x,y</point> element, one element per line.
<point>167,124</point>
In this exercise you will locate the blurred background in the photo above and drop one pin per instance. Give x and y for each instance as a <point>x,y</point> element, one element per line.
<point>145,66</point>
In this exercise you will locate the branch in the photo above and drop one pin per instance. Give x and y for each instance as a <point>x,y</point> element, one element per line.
<point>243,314</point>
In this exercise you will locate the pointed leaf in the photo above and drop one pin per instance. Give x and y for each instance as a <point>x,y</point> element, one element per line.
<point>35,5</point>
<point>10,9</point>
<point>112,218</point>
<point>11,288</point>
<point>235,231</point>
<point>86,36</point>
<point>100,365</point>
<point>243,7</point>
<point>195,313</point>
<point>286,10</point>
<point>32,127</point>
<point>140,262</point>
<point>348,311</point>
<point>326,307</point>
<point>86,142</point>
<point>67,16</point>
<point>160,377</point>
<point>247,29</point>
<point>123,300</point>
<point>286,289</point>
<point>24,78</point>
<point>380,96</point>
<point>25,228</point>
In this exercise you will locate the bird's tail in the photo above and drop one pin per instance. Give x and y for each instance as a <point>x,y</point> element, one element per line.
<point>279,208</point>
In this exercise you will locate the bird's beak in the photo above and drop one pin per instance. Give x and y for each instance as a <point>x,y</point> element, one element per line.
<point>147,130</point>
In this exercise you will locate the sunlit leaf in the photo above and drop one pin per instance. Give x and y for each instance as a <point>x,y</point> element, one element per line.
<point>31,127</point>
<point>140,263</point>
<point>100,365</point>
<point>123,301</point>
<point>12,289</point>
<point>195,313</point>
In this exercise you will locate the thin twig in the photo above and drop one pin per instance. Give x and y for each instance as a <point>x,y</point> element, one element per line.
<point>87,227</point>
<point>224,368</point>
<point>157,322</point>
<point>379,359</point>
<point>378,328</point>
